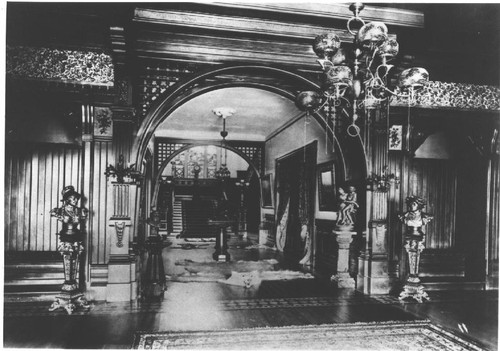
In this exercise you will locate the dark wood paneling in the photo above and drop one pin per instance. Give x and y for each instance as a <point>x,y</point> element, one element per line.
<point>326,247</point>
<point>493,219</point>
<point>436,182</point>
<point>34,179</point>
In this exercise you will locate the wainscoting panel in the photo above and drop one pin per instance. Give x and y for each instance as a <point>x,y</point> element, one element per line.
<point>34,178</point>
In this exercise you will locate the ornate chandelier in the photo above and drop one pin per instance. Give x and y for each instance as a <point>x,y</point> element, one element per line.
<point>223,172</point>
<point>358,80</point>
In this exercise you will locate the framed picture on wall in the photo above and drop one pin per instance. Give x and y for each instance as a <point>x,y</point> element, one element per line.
<point>396,137</point>
<point>326,187</point>
<point>267,191</point>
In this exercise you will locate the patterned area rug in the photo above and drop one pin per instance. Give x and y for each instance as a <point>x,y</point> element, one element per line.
<point>409,336</point>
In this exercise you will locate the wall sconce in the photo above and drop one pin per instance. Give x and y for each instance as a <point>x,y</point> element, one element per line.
<point>383,182</point>
<point>120,172</point>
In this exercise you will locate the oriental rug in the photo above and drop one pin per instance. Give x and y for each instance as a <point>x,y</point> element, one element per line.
<point>412,336</point>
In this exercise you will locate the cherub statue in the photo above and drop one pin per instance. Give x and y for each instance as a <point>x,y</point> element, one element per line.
<point>70,215</point>
<point>348,206</point>
<point>414,218</point>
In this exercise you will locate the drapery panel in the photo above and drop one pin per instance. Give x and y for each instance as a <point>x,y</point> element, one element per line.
<point>296,181</point>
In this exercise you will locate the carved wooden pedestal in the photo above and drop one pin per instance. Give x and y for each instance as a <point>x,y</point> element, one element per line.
<point>221,253</point>
<point>343,278</point>
<point>70,298</point>
<point>414,245</point>
<point>154,279</point>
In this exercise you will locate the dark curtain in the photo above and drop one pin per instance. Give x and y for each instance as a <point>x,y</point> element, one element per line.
<point>296,188</point>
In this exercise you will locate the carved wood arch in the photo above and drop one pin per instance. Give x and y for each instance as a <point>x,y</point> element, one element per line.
<point>283,82</point>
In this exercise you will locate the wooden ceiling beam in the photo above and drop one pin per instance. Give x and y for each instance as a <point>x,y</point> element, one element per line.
<point>205,48</point>
<point>238,25</point>
<point>388,15</point>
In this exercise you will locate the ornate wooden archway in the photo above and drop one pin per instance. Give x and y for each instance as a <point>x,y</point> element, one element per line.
<point>276,80</point>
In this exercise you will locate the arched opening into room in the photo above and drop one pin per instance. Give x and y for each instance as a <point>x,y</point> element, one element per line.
<point>191,173</point>
<point>266,125</point>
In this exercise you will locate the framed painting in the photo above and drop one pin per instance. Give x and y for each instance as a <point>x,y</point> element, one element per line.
<point>267,191</point>
<point>396,137</point>
<point>326,187</point>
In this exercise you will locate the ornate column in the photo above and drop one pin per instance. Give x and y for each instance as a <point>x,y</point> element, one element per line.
<point>414,219</point>
<point>71,247</point>
<point>122,283</point>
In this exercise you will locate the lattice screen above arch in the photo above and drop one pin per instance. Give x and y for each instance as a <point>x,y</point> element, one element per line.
<point>165,148</point>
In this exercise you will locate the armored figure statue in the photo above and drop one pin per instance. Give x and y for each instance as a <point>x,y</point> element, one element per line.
<point>70,215</point>
<point>70,247</point>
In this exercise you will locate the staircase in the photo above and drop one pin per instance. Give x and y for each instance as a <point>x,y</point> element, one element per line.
<point>32,276</point>
<point>195,216</point>
<point>177,214</point>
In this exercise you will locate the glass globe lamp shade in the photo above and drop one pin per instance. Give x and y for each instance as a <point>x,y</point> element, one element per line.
<point>308,100</point>
<point>372,34</point>
<point>326,45</point>
<point>340,57</point>
<point>413,78</point>
<point>338,76</point>
<point>389,48</point>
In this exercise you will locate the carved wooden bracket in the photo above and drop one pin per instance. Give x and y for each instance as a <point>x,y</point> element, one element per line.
<point>120,229</point>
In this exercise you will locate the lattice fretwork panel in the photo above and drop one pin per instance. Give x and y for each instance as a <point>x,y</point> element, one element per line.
<point>157,79</point>
<point>254,153</point>
<point>164,150</point>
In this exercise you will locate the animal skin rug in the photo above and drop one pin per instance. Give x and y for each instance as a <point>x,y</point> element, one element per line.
<point>240,273</point>
<point>253,279</point>
<point>225,268</point>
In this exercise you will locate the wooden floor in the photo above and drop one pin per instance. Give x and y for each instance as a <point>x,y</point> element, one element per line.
<point>211,305</point>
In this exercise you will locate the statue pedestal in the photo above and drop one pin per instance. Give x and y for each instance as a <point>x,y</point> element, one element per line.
<point>70,298</point>
<point>414,245</point>
<point>343,278</point>
<point>154,279</point>
<point>221,253</point>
